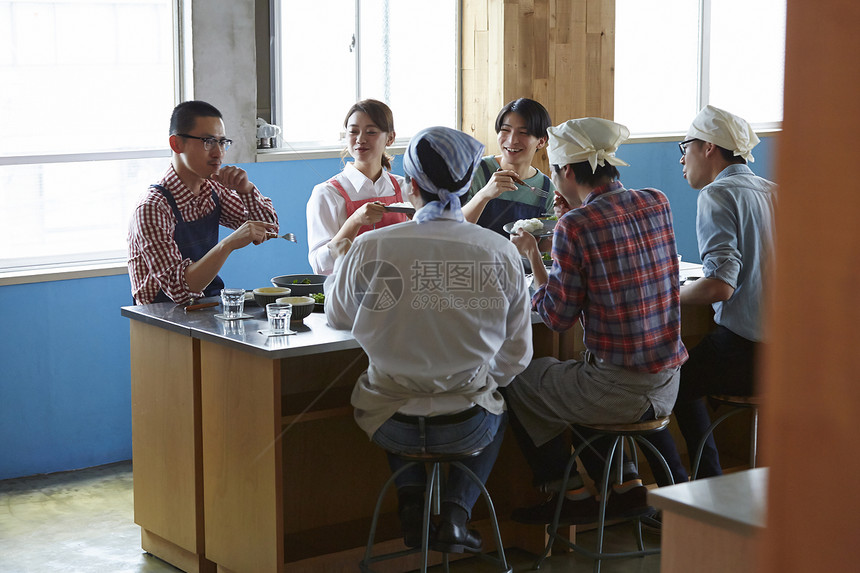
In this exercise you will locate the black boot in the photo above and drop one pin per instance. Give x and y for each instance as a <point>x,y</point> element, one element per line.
<point>452,535</point>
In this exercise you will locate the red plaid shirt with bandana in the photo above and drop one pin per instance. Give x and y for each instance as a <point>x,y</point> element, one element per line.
<point>616,270</point>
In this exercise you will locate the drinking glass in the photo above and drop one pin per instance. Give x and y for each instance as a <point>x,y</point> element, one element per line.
<point>233,302</point>
<point>279,316</point>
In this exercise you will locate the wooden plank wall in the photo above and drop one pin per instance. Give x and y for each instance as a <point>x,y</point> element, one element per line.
<point>558,52</point>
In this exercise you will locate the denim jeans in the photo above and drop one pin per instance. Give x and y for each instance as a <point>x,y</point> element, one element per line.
<point>483,430</point>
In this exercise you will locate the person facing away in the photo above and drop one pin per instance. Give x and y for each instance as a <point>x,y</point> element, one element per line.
<point>495,198</point>
<point>173,249</point>
<point>734,230</point>
<point>353,201</point>
<point>441,308</point>
<point>615,269</point>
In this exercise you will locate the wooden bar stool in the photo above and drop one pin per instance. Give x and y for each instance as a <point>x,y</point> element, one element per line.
<point>432,505</point>
<point>631,434</point>
<point>738,404</point>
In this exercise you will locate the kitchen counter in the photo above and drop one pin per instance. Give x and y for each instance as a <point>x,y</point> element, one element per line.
<point>712,525</point>
<point>246,454</point>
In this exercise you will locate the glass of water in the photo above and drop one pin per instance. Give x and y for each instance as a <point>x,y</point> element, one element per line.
<point>233,302</point>
<point>279,316</point>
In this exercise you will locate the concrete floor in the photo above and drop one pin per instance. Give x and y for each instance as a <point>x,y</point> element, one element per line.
<point>83,522</point>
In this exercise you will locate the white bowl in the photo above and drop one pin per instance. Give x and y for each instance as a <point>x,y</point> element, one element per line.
<point>266,295</point>
<point>302,306</point>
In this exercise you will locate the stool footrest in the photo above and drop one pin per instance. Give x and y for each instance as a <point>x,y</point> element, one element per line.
<point>618,555</point>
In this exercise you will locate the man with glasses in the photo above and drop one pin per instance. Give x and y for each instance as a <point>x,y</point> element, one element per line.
<point>734,228</point>
<point>173,247</point>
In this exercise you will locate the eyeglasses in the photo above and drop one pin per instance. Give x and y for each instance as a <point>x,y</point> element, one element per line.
<point>208,142</point>
<point>683,145</point>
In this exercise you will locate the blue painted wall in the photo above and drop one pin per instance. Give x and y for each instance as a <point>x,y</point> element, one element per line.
<point>658,165</point>
<point>65,398</point>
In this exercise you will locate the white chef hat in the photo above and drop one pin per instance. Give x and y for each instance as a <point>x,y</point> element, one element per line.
<point>589,139</point>
<point>724,129</point>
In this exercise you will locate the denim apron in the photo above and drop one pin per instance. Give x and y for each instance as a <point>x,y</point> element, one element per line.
<point>194,239</point>
<point>498,212</point>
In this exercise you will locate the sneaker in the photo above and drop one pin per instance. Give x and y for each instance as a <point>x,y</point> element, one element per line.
<point>631,503</point>
<point>572,512</point>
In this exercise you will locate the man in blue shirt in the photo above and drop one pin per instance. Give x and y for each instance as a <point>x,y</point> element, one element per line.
<point>734,228</point>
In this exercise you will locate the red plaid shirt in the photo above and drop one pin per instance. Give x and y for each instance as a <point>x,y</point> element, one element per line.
<point>154,260</point>
<point>617,271</point>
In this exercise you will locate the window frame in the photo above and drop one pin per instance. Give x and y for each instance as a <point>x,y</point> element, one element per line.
<point>315,150</point>
<point>103,263</point>
<point>703,82</point>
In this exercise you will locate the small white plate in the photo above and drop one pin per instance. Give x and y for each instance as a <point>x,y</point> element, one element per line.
<point>240,317</point>
<point>548,228</point>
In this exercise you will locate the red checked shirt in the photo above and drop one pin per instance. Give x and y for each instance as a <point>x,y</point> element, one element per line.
<point>154,260</point>
<point>616,270</point>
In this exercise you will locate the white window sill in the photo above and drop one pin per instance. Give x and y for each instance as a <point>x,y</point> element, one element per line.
<point>288,154</point>
<point>64,272</point>
<point>677,137</point>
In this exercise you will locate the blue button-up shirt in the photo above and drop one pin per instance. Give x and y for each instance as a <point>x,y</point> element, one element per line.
<point>734,227</point>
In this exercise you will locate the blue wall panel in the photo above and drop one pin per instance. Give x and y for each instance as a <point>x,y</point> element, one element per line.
<point>65,397</point>
<point>658,165</point>
<point>64,376</point>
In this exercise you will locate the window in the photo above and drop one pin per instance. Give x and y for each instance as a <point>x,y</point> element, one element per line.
<point>88,87</point>
<point>671,62</point>
<point>402,52</point>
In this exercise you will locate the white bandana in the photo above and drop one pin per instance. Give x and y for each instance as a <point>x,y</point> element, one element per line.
<point>589,139</point>
<point>725,130</point>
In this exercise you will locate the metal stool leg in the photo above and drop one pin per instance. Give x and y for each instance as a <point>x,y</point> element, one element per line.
<point>604,496</point>
<point>431,498</point>
<point>493,519</point>
<point>552,528</point>
<point>701,447</point>
<point>616,449</point>
<point>753,436</point>
<point>368,553</point>
<point>631,446</point>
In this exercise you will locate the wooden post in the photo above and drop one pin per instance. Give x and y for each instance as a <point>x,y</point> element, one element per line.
<point>811,381</point>
<point>561,54</point>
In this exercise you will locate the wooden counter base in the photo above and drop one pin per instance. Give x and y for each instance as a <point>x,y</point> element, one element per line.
<point>175,555</point>
<point>256,454</point>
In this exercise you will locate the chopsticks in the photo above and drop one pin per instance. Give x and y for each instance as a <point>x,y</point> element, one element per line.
<point>201,305</point>
<point>539,192</point>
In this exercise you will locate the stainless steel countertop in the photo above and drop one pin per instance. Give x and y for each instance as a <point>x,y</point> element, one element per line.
<point>313,336</point>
